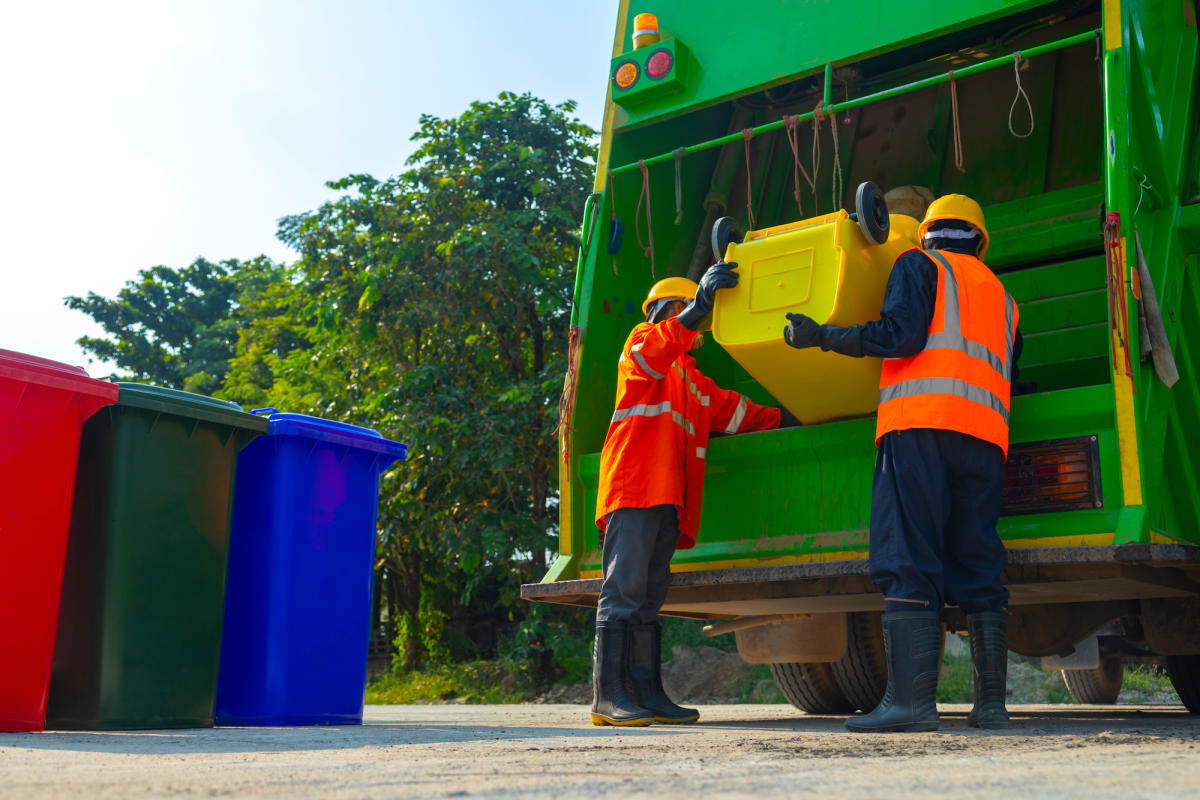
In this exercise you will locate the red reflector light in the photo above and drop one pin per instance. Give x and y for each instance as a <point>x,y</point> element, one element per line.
<point>659,64</point>
<point>1056,475</point>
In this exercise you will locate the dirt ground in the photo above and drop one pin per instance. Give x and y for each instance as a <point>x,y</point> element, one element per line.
<point>550,751</point>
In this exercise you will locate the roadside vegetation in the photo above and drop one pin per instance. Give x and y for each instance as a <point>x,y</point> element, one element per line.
<point>431,305</point>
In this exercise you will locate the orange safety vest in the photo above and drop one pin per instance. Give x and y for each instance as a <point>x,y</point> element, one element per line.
<point>960,380</point>
<point>657,441</point>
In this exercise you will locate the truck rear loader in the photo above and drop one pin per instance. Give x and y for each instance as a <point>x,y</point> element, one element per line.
<point>1074,124</point>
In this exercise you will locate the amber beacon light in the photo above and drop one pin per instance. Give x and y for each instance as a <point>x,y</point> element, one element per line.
<point>645,30</point>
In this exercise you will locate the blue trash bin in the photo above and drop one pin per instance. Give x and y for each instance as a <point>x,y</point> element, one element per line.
<point>301,555</point>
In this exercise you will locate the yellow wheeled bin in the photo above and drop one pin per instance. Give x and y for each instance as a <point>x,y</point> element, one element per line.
<point>824,267</point>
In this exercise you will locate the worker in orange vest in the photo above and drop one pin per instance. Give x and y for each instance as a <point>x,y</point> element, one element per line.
<point>948,332</point>
<point>651,484</point>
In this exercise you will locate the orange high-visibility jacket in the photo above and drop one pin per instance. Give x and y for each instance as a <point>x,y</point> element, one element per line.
<point>960,381</point>
<point>654,452</point>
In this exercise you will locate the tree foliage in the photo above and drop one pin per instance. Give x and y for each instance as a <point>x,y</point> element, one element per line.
<point>177,327</point>
<point>433,306</point>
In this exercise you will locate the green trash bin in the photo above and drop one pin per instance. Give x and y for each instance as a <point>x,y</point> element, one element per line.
<point>139,629</point>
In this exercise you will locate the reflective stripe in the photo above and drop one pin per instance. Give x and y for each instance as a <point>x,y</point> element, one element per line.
<point>951,233</point>
<point>736,421</point>
<point>973,349</point>
<point>704,399</point>
<point>950,337</point>
<point>951,316</point>
<point>644,410</point>
<point>1010,310</point>
<point>950,386</point>
<point>641,360</point>
<point>701,452</point>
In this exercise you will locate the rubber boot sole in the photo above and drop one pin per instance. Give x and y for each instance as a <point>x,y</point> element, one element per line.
<point>677,720</point>
<point>900,727</point>
<point>990,723</point>
<point>637,722</point>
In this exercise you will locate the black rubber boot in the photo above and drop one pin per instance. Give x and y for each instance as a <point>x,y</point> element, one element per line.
<point>613,702</point>
<point>646,670</point>
<point>912,640</point>
<point>989,652</point>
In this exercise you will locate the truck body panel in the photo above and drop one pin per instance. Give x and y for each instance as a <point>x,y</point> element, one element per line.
<point>1105,454</point>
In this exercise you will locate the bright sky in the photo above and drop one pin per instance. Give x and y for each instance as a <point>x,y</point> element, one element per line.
<point>135,133</point>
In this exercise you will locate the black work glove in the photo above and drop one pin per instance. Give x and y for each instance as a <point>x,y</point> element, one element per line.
<point>719,276</point>
<point>802,331</point>
<point>787,419</point>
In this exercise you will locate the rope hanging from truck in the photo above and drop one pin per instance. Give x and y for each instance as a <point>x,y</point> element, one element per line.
<point>1114,260</point>
<point>816,156</point>
<point>566,401</point>
<point>747,135</point>
<point>836,178</point>
<point>647,250</point>
<point>958,151</point>
<point>1018,65</point>
<point>836,185</point>
<point>791,124</point>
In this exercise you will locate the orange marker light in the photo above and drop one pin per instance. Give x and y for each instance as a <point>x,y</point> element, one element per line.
<point>626,74</point>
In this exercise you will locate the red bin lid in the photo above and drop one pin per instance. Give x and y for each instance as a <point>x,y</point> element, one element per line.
<point>55,374</point>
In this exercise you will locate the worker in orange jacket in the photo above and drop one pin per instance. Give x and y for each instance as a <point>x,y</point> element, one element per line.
<point>651,485</point>
<point>948,332</point>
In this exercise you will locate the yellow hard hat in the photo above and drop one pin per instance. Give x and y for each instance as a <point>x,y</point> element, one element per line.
<point>959,207</point>
<point>670,287</point>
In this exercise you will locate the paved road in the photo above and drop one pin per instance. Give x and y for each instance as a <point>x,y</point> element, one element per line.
<point>550,751</point>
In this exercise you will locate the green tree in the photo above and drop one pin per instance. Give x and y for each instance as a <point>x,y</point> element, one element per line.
<point>434,306</point>
<point>176,327</point>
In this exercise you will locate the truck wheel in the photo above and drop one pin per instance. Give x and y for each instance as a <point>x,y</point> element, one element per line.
<point>811,688</point>
<point>1099,687</point>
<point>1184,672</point>
<point>862,672</point>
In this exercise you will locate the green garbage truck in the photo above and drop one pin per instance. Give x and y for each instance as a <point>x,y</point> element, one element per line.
<point>1074,124</point>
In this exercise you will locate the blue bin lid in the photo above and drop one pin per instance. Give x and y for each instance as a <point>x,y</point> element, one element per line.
<point>324,430</point>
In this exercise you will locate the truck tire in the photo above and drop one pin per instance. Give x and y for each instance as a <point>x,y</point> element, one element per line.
<point>861,674</point>
<point>1098,687</point>
<point>811,688</point>
<point>1184,672</point>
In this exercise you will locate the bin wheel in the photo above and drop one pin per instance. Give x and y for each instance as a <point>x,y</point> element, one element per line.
<point>1097,687</point>
<point>871,212</point>
<point>724,231</point>
<point>810,688</point>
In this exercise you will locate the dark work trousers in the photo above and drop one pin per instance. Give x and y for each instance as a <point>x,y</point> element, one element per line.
<point>638,545</point>
<point>934,507</point>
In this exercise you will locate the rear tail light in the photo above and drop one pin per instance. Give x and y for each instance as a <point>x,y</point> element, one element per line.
<point>659,63</point>
<point>1054,475</point>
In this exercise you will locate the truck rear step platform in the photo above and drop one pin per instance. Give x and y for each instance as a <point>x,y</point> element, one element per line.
<point>1034,576</point>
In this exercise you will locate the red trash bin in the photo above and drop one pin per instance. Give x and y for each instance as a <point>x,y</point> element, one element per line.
<point>43,405</point>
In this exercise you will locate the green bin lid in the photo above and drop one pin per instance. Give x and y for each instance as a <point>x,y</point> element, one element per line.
<point>187,404</point>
